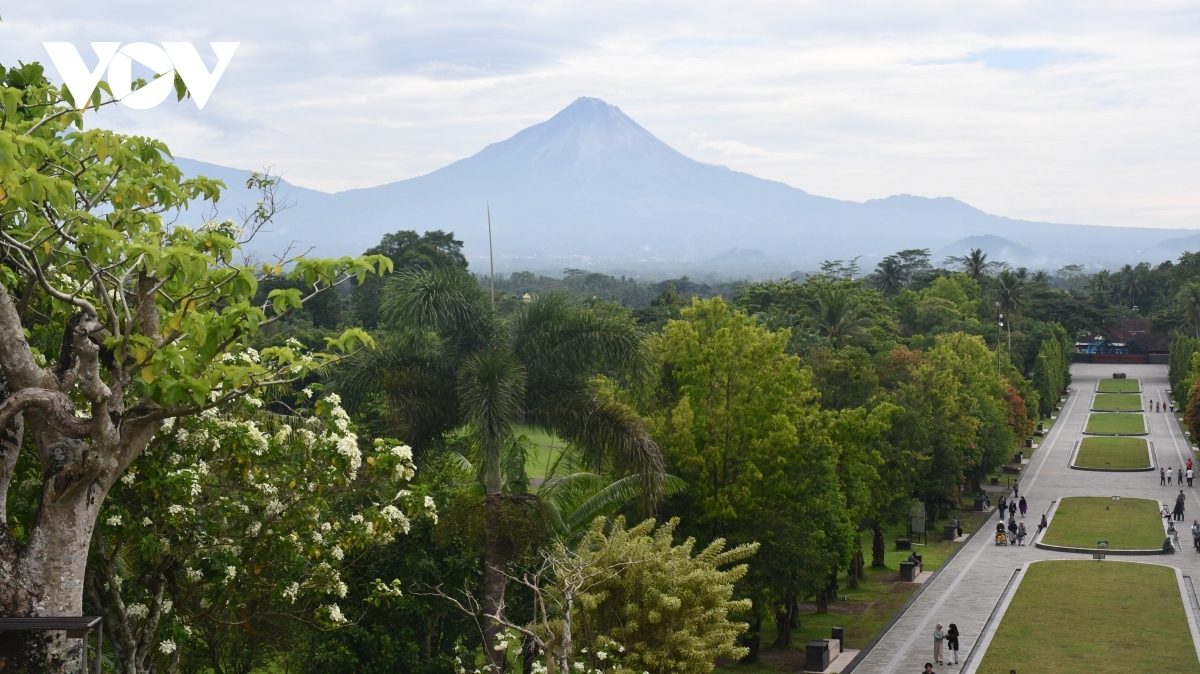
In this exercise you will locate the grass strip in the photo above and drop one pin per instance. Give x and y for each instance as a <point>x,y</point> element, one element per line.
<point>1128,524</point>
<point>1117,402</point>
<point>1116,424</point>
<point>1119,386</point>
<point>1088,617</point>
<point>1113,453</point>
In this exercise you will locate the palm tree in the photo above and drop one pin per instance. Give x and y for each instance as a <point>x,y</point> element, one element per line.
<point>1009,290</point>
<point>1101,283</point>
<point>451,364</point>
<point>1189,299</point>
<point>1040,279</point>
<point>837,318</point>
<point>974,264</point>
<point>1129,282</point>
<point>575,496</point>
<point>889,276</point>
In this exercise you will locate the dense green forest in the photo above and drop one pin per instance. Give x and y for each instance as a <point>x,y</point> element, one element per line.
<point>375,464</point>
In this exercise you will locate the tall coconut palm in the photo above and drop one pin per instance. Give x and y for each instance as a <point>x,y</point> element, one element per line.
<point>975,264</point>
<point>837,318</point>
<point>1039,279</point>
<point>451,364</point>
<point>1009,290</point>
<point>1101,284</point>
<point>1189,300</point>
<point>889,276</point>
<point>1130,283</point>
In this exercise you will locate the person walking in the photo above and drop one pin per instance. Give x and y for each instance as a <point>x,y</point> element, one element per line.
<point>1162,475</point>
<point>1023,506</point>
<point>1002,506</point>
<point>1190,476</point>
<point>1041,525</point>
<point>952,641</point>
<point>937,644</point>
<point>1179,504</point>
<point>1021,533</point>
<point>1016,488</point>
<point>1196,535</point>
<point>1012,528</point>
<point>1012,508</point>
<point>1168,476</point>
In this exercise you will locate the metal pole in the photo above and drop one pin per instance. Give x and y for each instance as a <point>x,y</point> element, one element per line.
<point>491,257</point>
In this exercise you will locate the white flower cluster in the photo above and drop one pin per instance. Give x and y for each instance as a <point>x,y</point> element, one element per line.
<point>137,611</point>
<point>347,446</point>
<point>166,647</point>
<point>392,514</point>
<point>335,614</point>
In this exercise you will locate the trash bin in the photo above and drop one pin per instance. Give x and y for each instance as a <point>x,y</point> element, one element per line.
<point>908,571</point>
<point>980,505</point>
<point>1021,455</point>
<point>839,633</point>
<point>903,544</point>
<point>1040,427</point>
<point>816,656</point>
<point>950,532</point>
<point>1029,443</point>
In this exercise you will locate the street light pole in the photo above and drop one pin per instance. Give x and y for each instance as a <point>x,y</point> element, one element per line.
<point>999,326</point>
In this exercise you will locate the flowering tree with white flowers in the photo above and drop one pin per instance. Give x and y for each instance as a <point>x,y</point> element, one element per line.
<point>239,522</point>
<point>114,318</point>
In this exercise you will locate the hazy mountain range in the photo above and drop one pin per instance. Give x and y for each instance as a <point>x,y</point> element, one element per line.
<point>590,188</point>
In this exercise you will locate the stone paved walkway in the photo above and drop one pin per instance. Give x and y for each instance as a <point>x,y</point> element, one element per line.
<point>968,588</point>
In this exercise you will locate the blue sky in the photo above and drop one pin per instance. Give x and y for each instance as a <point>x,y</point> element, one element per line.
<point>1063,111</point>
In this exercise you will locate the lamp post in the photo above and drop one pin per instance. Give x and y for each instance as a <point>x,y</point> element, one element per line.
<point>999,326</point>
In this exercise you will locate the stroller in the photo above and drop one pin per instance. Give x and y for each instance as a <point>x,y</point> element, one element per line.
<point>1001,535</point>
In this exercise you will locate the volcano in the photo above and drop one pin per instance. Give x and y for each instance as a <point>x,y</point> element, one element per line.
<point>591,188</point>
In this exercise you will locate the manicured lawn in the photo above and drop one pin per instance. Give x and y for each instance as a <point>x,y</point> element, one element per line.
<point>1117,402</point>
<point>548,449</point>
<point>1088,617</point>
<point>1116,424</point>
<point>1120,386</point>
<point>1113,453</point>
<point>1128,524</point>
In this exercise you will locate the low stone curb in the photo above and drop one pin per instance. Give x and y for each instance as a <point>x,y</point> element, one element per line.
<point>1089,551</point>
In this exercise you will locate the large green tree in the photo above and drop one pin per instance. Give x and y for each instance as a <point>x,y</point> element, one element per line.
<point>406,249</point>
<point>112,321</point>
<point>741,424</point>
<point>451,363</point>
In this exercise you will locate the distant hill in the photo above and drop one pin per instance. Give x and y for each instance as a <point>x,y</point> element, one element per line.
<point>590,188</point>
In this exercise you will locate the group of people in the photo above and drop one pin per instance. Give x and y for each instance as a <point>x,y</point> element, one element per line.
<point>1166,474</point>
<point>1016,532</point>
<point>950,637</point>
<point>1161,406</point>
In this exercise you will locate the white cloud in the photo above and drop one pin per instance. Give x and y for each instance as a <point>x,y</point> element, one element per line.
<point>1068,111</point>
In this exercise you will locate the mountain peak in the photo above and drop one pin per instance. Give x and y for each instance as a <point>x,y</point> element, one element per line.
<point>588,130</point>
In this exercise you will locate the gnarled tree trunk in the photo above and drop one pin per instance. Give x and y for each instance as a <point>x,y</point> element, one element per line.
<point>80,460</point>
